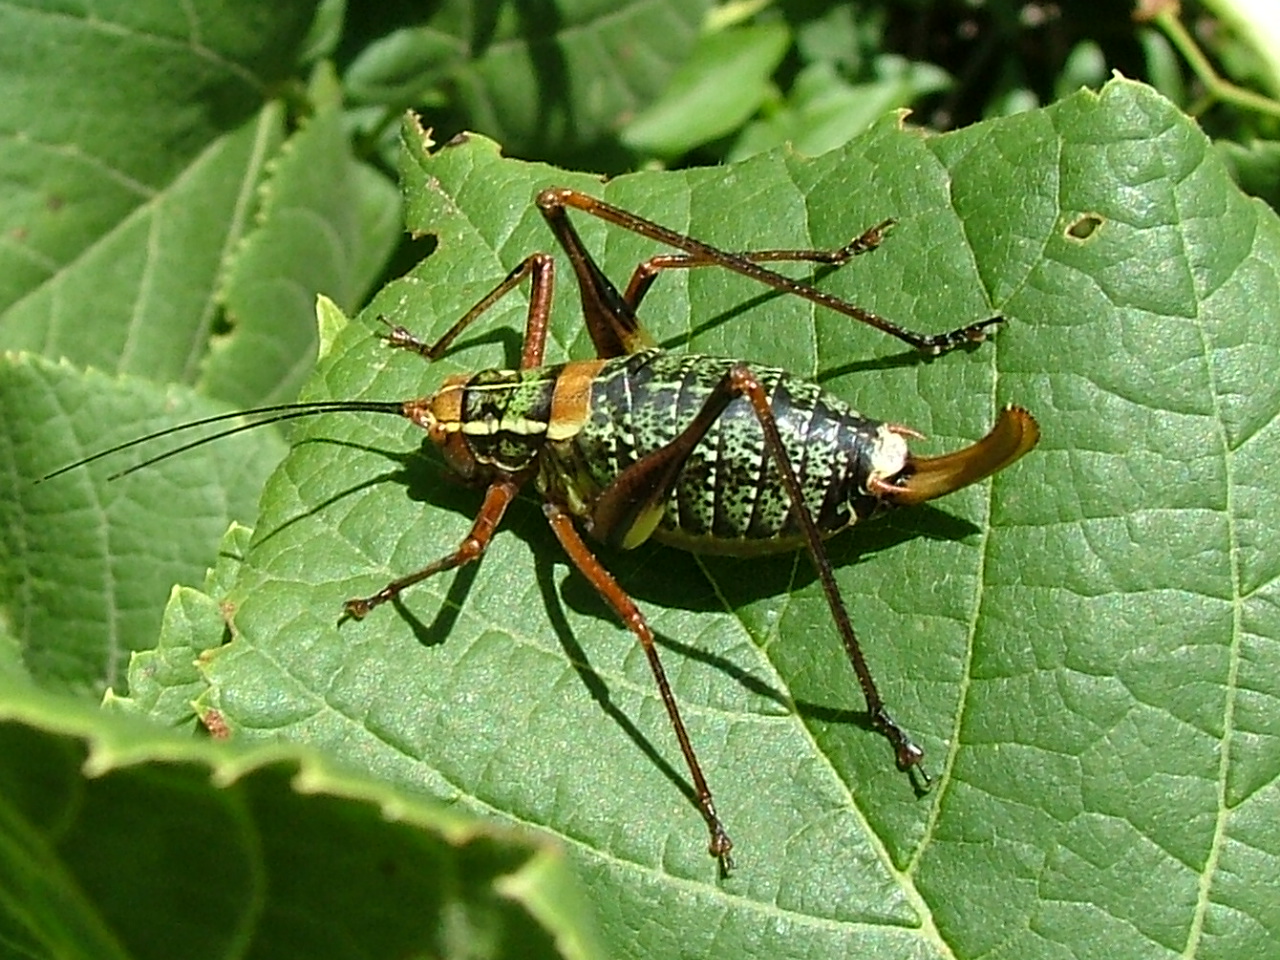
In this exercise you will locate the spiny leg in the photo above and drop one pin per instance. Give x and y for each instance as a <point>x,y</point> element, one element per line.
<point>562,525</point>
<point>612,322</point>
<point>627,510</point>
<point>647,272</point>
<point>909,756</point>
<point>540,267</point>
<point>496,500</point>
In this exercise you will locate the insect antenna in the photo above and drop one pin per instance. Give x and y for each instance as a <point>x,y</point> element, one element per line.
<point>272,414</point>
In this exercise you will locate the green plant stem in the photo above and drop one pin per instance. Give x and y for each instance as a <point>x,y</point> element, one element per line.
<point>1217,88</point>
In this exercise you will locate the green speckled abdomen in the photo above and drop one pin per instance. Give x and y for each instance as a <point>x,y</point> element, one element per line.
<point>729,496</point>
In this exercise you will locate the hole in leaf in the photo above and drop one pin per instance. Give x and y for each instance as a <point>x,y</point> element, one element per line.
<point>1084,226</point>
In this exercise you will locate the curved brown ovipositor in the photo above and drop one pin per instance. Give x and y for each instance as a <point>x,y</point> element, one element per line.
<point>924,478</point>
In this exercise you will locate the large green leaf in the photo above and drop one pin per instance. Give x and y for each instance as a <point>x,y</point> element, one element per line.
<point>1085,645</point>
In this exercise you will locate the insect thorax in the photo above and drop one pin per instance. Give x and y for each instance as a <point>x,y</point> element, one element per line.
<point>729,496</point>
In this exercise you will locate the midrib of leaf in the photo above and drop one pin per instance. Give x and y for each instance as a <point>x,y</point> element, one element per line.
<point>903,877</point>
<point>964,687</point>
<point>268,119</point>
<point>152,207</point>
<point>1221,816</point>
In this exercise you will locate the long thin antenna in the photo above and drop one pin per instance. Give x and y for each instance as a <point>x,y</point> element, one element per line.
<point>278,412</point>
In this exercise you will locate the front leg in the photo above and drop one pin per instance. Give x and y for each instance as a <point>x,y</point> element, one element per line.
<point>498,497</point>
<point>540,267</point>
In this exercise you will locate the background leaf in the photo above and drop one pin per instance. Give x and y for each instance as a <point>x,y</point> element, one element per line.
<point>713,93</point>
<point>254,853</point>
<point>115,206</point>
<point>556,79</point>
<point>327,226</point>
<point>126,216</point>
<point>124,223</point>
<point>1085,646</point>
<point>87,563</point>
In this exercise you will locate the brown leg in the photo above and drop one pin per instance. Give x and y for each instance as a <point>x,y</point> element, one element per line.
<point>909,756</point>
<point>627,510</point>
<point>612,323</point>
<point>539,266</point>
<point>496,500</point>
<point>625,607</point>
<point>647,272</point>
